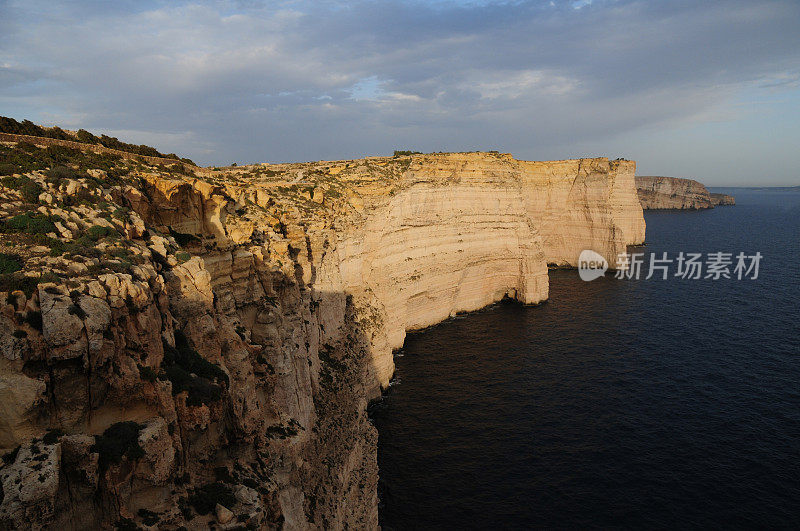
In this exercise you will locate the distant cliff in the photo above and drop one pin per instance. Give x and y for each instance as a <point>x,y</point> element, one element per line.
<point>195,347</point>
<point>662,193</point>
<point>668,193</point>
<point>722,199</point>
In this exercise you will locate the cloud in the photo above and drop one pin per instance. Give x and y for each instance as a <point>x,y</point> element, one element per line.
<point>303,79</point>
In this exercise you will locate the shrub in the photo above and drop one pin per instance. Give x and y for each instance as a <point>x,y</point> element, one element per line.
<point>183,256</point>
<point>120,439</point>
<point>56,174</point>
<point>121,213</point>
<point>120,252</point>
<point>81,197</point>
<point>30,191</point>
<point>9,263</point>
<point>7,168</point>
<point>86,137</point>
<point>29,223</point>
<point>15,183</point>
<point>97,232</point>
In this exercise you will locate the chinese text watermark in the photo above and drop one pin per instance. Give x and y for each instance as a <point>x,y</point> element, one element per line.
<point>693,266</point>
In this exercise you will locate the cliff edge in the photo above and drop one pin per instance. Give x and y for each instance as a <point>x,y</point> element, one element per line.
<point>185,346</point>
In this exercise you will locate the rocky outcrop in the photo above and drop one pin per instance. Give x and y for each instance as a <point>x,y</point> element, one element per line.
<point>666,193</point>
<point>207,355</point>
<point>722,199</point>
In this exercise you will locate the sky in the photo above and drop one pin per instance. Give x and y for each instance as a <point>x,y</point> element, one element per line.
<point>702,89</point>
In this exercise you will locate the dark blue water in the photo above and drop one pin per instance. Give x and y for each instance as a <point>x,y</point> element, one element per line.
<point>618,403</point>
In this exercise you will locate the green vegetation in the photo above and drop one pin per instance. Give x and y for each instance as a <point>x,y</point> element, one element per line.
<point>25,157</point>
<point>29,223</point>
<point>83,246</point>
<point>189,371</point>
<point>120,439</point>
<point>183,256</point>
<point>57,174</point>
<point>28,188</point>
<point>98,232</point>
<point>9,263</point>
<point>26,127</point>
<point>7,169</point>
<point>404,153</point>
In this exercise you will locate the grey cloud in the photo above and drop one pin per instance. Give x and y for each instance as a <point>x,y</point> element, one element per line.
<point>273,80</point>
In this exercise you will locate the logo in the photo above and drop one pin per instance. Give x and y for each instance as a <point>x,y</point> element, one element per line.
<point>591,265</point>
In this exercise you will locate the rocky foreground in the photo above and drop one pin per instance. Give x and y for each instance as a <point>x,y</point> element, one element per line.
<point>668,193</point>
<point>195,347</point>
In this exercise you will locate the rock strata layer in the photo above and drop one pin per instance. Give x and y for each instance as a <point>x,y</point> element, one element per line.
<point>664,193</point>
<point>201,347</point>
<point>722,200</point>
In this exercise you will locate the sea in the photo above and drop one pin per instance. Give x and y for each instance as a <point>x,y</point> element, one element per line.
<point>618,403</point>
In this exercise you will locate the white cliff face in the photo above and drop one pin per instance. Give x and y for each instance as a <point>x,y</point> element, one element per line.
<point>433,252</point>
<point>584,204</point>
<point>294,283</point>
<point>466,230</point>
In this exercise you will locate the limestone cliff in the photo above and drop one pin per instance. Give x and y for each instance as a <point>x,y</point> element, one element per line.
<point>185,346</point>
<point>663,193</point>
<point>722,199</point>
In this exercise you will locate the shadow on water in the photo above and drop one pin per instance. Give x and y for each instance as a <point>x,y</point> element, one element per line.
<point>627,403</point>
